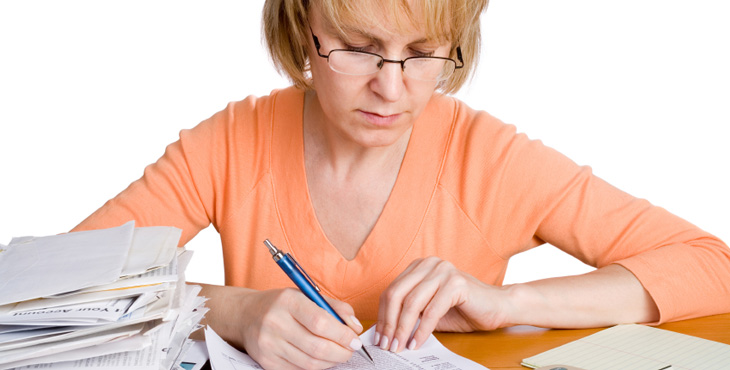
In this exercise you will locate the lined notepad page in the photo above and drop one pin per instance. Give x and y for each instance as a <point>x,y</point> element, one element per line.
<point>637,347</point>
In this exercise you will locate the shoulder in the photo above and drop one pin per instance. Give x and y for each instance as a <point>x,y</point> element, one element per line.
<point>467,123</point>
<point>236,139</point>
<point>250,112</point>
<point>475,133</point>
<point>486,153</point>
<point>241,123</point>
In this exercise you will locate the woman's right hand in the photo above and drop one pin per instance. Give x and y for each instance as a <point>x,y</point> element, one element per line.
<point>283,329</point>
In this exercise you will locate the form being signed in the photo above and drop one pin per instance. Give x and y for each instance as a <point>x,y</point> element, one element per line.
<point>390,160</point>
<point>431,355</point>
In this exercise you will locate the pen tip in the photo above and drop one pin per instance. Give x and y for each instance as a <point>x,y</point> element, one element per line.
<point>364,353</point>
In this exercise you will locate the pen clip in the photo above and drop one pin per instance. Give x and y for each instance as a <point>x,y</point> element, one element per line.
<point>300,268</point>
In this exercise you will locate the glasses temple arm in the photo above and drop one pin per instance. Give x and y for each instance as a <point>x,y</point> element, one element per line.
<point>458,56</point>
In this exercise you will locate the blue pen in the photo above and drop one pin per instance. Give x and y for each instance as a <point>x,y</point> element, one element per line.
<point>302,280</point>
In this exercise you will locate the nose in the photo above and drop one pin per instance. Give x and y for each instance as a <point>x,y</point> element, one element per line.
<point>388,82</point>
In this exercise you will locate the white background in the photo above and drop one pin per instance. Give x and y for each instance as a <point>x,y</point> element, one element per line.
<point>92,91</point>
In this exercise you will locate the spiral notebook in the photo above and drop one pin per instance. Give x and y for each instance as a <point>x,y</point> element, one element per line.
<point>637,347</point>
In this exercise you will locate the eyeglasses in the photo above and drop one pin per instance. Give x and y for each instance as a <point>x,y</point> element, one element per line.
<point>361,63</point>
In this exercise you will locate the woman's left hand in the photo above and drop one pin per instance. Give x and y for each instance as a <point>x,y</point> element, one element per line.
<point>443,297</point>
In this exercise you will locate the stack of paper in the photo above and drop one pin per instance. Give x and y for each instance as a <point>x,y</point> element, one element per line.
<point>112,298</point>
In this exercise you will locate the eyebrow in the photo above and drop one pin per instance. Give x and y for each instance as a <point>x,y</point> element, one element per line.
<point>347,31</point>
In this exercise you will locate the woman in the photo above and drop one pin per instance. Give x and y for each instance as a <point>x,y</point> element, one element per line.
<point>401,202</point>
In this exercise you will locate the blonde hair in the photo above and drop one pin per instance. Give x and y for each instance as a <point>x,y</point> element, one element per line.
<point>286,29</point>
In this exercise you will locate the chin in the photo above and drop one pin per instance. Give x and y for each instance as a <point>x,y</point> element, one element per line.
<point>370,136</point>
<point>379,139</point>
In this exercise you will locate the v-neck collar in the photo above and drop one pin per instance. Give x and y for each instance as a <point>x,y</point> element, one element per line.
<point>398,224</point>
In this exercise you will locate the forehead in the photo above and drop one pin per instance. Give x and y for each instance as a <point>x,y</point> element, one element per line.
<point>394,17</point>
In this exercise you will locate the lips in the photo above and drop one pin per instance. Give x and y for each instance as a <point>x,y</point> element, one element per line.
<point>380,119</point>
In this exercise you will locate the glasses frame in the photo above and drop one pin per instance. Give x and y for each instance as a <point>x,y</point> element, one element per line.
<point>383,60</point>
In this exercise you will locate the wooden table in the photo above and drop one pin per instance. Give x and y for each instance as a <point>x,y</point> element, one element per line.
<point>505,348</point>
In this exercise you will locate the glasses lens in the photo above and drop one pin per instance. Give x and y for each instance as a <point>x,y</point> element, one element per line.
<point>354,62</point>
<point>429,69</point>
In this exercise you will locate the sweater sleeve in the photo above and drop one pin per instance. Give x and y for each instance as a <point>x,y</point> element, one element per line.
<point>525,193</point>
<point>685,270</point>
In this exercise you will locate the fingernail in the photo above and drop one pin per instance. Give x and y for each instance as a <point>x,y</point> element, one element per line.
<point>376,339</point>
<point>356,321</point>
<point>394,345</point>
<point>384,342</point>
<point>412,344</point>
<point>356,344</point>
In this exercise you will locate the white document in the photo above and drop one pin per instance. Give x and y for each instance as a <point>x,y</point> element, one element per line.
<point>73,358</point>
<point>89,313</point>
<point>147,358</point>
<point>637,347</point>
<point>42,332</point>
<point>153,312</point>
<point>124,353</point>
<point>431,355</point>
<point>152,247</point>
<point>13,328</point>
<point>165,274</point>
<point>193,357</point>
<point>46,349</point>
<point>86,297</point>
<point>35,267</point>
<point>224,356</point>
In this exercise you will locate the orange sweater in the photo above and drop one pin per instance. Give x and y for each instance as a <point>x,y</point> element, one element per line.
<point>470,190</point>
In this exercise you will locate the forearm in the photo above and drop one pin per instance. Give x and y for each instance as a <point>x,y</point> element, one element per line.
<point>224,303</point>
<point>607,296</point>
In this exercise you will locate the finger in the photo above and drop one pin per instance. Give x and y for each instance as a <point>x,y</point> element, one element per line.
<point>432,313</point>
<point>337,340</point>
<point>385,302</point>
<point>447,296</point>
<point>413,305</point>
<point>347,313</point>
<point>391,301</point>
